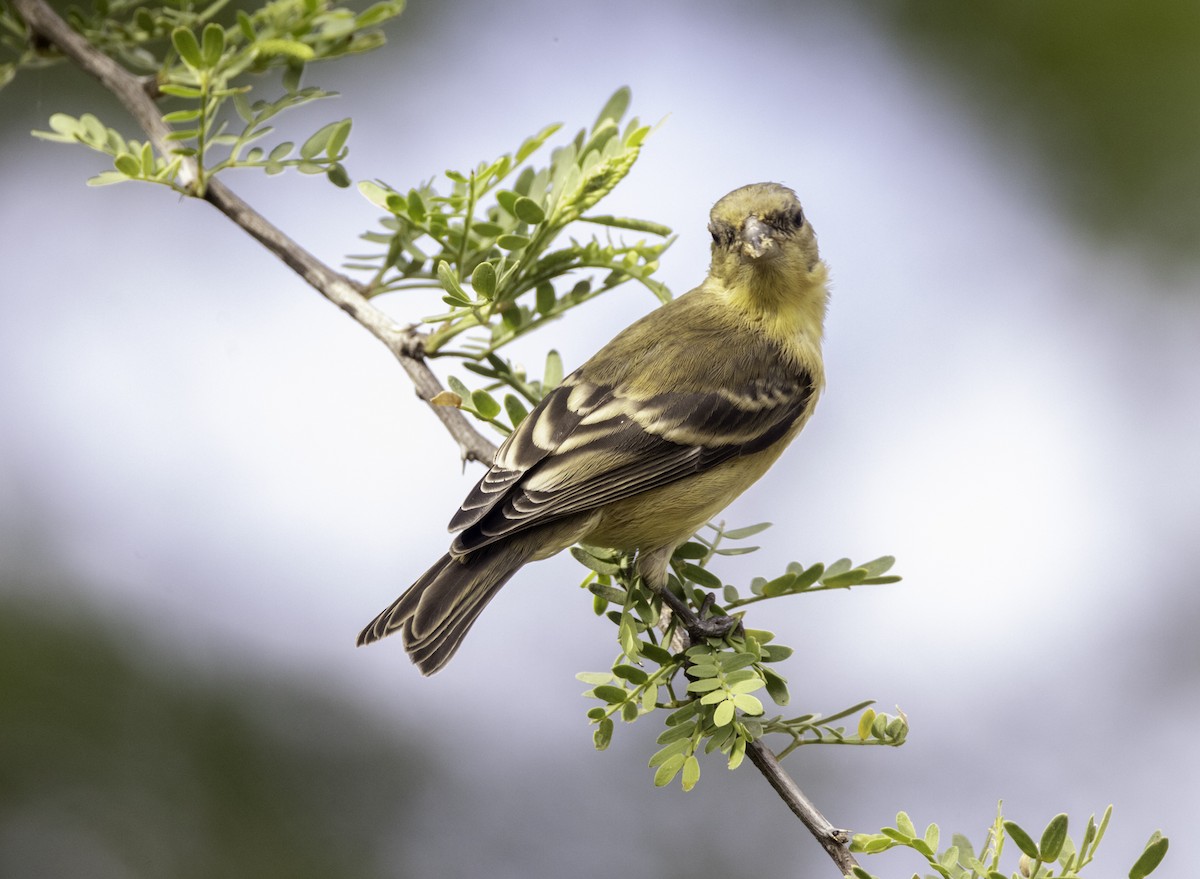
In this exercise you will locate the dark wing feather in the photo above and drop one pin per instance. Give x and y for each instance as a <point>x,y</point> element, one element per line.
<point>586,446</point>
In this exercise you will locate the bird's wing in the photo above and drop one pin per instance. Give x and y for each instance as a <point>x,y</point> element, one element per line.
<point>586,445</point>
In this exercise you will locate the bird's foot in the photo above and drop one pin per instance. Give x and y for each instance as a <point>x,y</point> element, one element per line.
<point>700,626</point>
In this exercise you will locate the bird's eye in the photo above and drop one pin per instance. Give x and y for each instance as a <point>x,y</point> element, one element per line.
<point>798,218</point>
<point>712,230</point>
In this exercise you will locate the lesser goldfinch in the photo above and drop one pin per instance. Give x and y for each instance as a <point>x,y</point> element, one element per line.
<point>651,437</point>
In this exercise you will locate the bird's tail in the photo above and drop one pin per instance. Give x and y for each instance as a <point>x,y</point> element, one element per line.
<point>437,611</point>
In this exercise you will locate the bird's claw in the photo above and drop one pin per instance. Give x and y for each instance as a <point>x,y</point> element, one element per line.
<point>701,626</point>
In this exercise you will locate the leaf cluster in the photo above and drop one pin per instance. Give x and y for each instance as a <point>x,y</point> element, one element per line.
<point>198,67</point>
<point>1054,856</point>
<point>712,691</point>
<point>493,246</point>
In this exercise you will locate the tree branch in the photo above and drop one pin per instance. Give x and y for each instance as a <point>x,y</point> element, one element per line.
<point>831,838</point>
<point>405,343</point>
<point>700,626</point>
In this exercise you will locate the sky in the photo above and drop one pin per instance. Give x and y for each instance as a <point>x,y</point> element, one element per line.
<point>224,458</point>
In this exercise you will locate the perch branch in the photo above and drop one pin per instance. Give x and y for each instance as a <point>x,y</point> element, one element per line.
<point>831,838</point>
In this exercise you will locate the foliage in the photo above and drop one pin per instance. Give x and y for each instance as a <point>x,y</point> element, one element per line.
<point>1055,854</point>
<point>199,67</point>
<point>709,688</point>
<point>492,246</point>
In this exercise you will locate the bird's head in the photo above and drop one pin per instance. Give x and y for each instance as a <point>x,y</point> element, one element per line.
<point>761,226</point>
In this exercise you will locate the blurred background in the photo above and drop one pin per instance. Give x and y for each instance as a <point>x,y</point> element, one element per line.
<point>210,479</point>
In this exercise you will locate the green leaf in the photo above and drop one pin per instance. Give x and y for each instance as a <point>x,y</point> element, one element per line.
<point>1021,839</point>
<point>531,144</point>
<point>1151,857</point>
<point>585,558</point>
<point>176,91</point>
<point>748,531</point>
<point>610,694</point>
<point>904,825</point>
<point>603,734</point>
<point>843,580</point>
<point>723,714</point>
<point>776,652</point>
<point>512,242</point>
<point>185,44</point>
<point>666,773</point>
<point>655,653</point>
<point>594,677</point>
<point>614,108</point>
<point>415,205</point>
<point>631,224</point>
<point>528,211</point>
<point>690,550</point>
<point>246,25</point>
<point>1053,838</point>
<point>337,176</point>
<point>701,577</point>
<point>691,772</point>
<point>213,44</point>
<point>182,116</point>
<point>515,409</point>
<point>779,586</point>
<point>808,577</point>
<point>448,278</point>
<point>966,850</point>
<point>289,49</point>
<point>546,298</point>
<point>627,637</point>
<point>776,687</point>
<point>675,733</point>
<point>128,165</point>
<point>631,673</point>
<point>107,178</point>
<point>553,375</point>
<point>485,404</point>
<point>865,722</point>
<point>483,279</point>
<point>377,14</point>
<point>876,567</point>
<point>932,837</point>
<point>748,704</point>
<point>507,199</point>
<point>374,193</point>
<point>317,143</point>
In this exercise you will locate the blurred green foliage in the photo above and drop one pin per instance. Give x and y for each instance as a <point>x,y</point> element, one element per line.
<point>1104,90</point>
<point>114,764</point>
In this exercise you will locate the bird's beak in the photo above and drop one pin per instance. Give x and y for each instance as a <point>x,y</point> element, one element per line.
<point>756,238</point>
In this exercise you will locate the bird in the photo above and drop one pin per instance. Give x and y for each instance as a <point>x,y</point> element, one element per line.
<point>650,438</point>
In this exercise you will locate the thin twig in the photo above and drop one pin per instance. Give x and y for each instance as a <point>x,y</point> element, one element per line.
<point>405,343</point>
<point>831,838</point>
